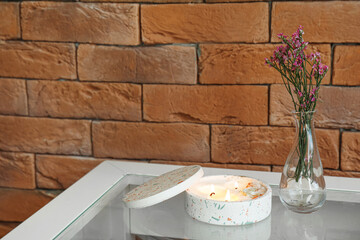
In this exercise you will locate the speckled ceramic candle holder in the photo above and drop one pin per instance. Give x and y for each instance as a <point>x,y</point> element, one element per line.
<point>221,212</point>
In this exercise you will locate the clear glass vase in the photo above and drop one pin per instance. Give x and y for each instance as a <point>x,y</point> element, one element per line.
<point>302,185</point>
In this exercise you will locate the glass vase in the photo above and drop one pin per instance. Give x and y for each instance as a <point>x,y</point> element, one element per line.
<point>302,185</point>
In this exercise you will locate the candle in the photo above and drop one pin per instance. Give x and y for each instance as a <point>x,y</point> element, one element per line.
<point>227,196</point>
<point>227,200</point>
<point>212,190</point>
<point>240,190</point>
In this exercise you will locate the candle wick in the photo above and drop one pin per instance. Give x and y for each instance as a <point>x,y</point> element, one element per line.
<point>212,194</point>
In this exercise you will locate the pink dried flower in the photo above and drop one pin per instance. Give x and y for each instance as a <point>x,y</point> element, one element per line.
<point>290,59</point>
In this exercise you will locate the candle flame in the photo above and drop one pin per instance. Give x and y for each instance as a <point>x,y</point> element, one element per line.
<point>212,190</point>
<point>227,197</point>
<point>236,185</point>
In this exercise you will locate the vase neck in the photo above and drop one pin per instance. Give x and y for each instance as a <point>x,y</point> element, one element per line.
<point>304,115</point>
<point>303,119</point>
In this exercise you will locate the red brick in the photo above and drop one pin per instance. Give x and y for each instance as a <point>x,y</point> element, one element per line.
<point>327,172</point>
<point>220,1</point>
<point>13,98</point>
<point>181,23</point>
<point>60,172</point>
<point>346,65</point>
<point>245,105</point>
<point>43,135</point>
<point>17,205</point>
<point>341,173</point>
<point>85,100</point>
<point>9,20</point>
<point>328,142</point>
<point>267,145</point>
<point>17,170</point>
<point>81,22</point>
<point>277,168</point>
<point>335,21</point>
<point>350,151</point>
<point>244,63</point>
<point>163,64</point>
<point>37,60</point>
<point>217,165</point>
<point>146,1</point>
<point>178,142</point>
<point>6,227</point>
<point>338,107</point>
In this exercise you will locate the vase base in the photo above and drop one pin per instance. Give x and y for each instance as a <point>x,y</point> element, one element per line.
<point>302,210</point>
<point>299,208</point>
<point>303,201</point>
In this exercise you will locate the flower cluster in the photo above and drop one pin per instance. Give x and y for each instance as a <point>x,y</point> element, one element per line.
<point>303,72</point>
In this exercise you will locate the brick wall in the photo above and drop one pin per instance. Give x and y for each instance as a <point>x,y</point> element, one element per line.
<point>180,83</point>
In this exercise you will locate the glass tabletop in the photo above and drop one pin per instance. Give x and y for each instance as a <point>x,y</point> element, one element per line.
<point>108,218</point>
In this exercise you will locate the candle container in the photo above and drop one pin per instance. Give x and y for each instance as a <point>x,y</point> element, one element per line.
<point>219,200</point>
<point>238,209</point>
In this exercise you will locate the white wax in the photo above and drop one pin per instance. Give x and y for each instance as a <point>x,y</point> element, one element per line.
<point>238,188</point>
<point>228,200</point>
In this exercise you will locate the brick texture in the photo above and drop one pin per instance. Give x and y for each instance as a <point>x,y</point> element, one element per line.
<point>43,135</point>
<point>342,25</point>
<point>244,63</point>
<point>60,172</point>
<point>6,227</point>
<point>17,205</point>
<point>163,81</point>
<point>217,165</point>
<point>81,22</point>
<point>85,100</point>
<point>346,65</point>
<point>267,145</point>
<point>338,107</point>
<point>244,105</point>
<point>224,1</point>
<point>166,64</point>
<point>13,98</point>
<point>350,151</point>
<point>9,20</point>
<point>180,142</point>
<point>17,170</point>
<point>146,1</point>
<point>186,23</point>
<point>37,60</point>
<point>327,172</point>
<point>336,173</point>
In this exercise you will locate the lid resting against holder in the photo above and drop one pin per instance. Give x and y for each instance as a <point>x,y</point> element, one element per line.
<point>163,187</point>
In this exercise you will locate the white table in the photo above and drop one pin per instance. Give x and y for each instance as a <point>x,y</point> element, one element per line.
<point>92,209</point>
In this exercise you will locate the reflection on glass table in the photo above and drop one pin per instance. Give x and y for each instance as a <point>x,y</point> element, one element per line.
<point>168,220</point>
<point>107,217</point>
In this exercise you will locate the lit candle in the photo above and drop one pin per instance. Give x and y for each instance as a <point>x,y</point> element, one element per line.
<point>217,192</point>
<point>225,200</point>
<point>227,196</point>
<point>212,190</point>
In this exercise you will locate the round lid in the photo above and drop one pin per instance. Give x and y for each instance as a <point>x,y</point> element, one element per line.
<point>163,187</point>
